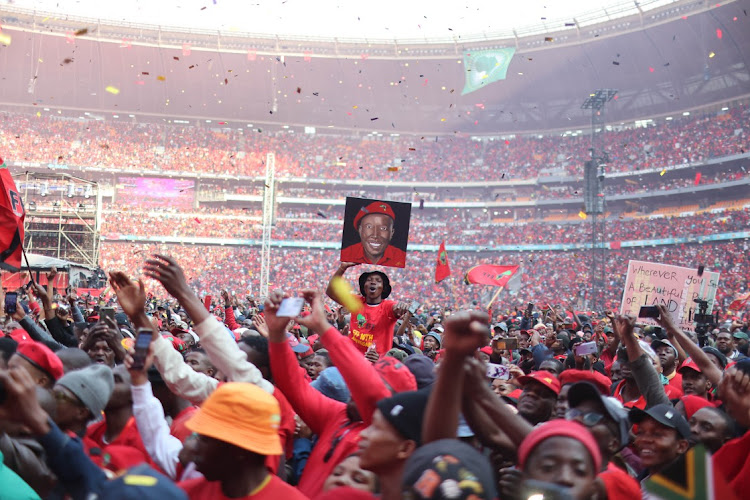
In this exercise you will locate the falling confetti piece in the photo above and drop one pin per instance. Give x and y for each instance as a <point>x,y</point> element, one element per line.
<point>615,63</point>
<point>711,55</point>
<point>663,172</point>
<point>373,119</point>
<point>175,58</point>
<point>442,119</point>
<point>5,39</point>
<point>412,149</point>
<point>38,113</point>
<point>299,90</point>
<point>719,33</point>
<point>197,220</point>
<point>112,90</point>
<point>582,214</point>
<point>651,69</point>
<point>548,39</point>
<point>161,78</point>
<point>67,60</point>
<point>393,169</point>
<point>81,32</point>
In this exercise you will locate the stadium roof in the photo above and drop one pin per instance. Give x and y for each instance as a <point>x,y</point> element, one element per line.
<point>670,59</point>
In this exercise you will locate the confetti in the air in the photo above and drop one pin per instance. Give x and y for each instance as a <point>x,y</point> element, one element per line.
<point>112,90</point>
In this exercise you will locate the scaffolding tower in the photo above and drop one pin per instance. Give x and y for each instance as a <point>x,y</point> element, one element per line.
<point>593,195</point>
<point>269,218</point>
<point>63,217</point>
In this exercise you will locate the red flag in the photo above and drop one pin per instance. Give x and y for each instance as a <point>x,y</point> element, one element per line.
<point>615,245</point>
<point>207,302</point>
<point>442,269</point>
<point>489,274</point>
<point>11,222</point>
<point>697,178</point>
<point>739,302</point>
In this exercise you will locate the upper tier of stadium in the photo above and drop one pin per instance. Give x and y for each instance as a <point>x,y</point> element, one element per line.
<point>663,57</point>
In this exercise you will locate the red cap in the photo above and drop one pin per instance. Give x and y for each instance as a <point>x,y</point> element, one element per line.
<point>376,207</point>
<point>693,403</point>
<point>34,307</point>
<point>689,364</point>
<point>545,378</point>
<point>396,375</point>
<point>313,338</point>
<point>559,428</point>
<point>19,335</point>
<point>41,357</point>
<point>601,382</point>
<point>487,350</point>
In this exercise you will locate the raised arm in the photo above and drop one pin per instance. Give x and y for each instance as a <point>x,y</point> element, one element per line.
<point>315,409</point>
<point>179,377</point>
<point>338,274</point>
<point>218,342</point>
<point>365,386</point>
<point>465,332</point>
<point>643,370</point>
<point>712,373</point>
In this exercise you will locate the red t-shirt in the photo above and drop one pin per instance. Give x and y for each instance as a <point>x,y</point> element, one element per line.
<point>392,257</point>
<point>200,489</point>
<point>640,403</point>
<point>374,323</point>
<point>178,429</point>
<point>619,485</point>
<point>732,463</point>
<point>124,451</point>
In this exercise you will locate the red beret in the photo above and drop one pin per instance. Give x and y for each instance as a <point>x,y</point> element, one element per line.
<point>544,377</point>
<point>601,382</point>
<point>376,207</point>
<point>41,357</point>
<point>559,428</point>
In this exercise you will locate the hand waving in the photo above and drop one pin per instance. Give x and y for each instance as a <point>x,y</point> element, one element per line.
<point>130,295</point>
<point>166,271</point>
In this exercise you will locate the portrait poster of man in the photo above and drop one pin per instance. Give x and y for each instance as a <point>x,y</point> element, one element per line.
<point>375,232</point>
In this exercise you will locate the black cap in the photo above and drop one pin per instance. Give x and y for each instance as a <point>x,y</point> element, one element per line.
<point>404,411</point>
<point>666,415</point>
<point>721,357</point>
<point>386,283</point>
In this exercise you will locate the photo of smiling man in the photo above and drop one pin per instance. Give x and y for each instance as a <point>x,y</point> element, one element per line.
<point>375,232</point>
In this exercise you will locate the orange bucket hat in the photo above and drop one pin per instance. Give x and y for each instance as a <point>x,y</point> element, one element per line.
<point>241,414</point>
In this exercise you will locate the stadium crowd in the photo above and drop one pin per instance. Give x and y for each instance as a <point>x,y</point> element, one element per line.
<point>136,147</point>
<point>213,268</point>
<point>155,391</point>
<point>179,380</point>
<point>427,231</point>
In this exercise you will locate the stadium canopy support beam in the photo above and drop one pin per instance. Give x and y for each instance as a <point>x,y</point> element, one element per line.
<point>268,220</point>
<point>594,197</point>
<point>62,217</point>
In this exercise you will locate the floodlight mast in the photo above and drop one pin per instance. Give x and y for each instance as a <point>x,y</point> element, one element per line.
<point>268,221</point>
<point>593,195</point>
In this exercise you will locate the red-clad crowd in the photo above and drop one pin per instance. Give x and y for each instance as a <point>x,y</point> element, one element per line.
<point>423,230</point>
<point>157,391</point>
<point>145,146</point>
<point>212,268</point>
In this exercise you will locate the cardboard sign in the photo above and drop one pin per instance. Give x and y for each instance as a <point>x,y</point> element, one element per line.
<point>375,232</point>
<point>650,284</point>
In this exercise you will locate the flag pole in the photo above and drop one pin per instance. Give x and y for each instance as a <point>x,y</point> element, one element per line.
<point>489,306</point>
<point>26,258</point>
